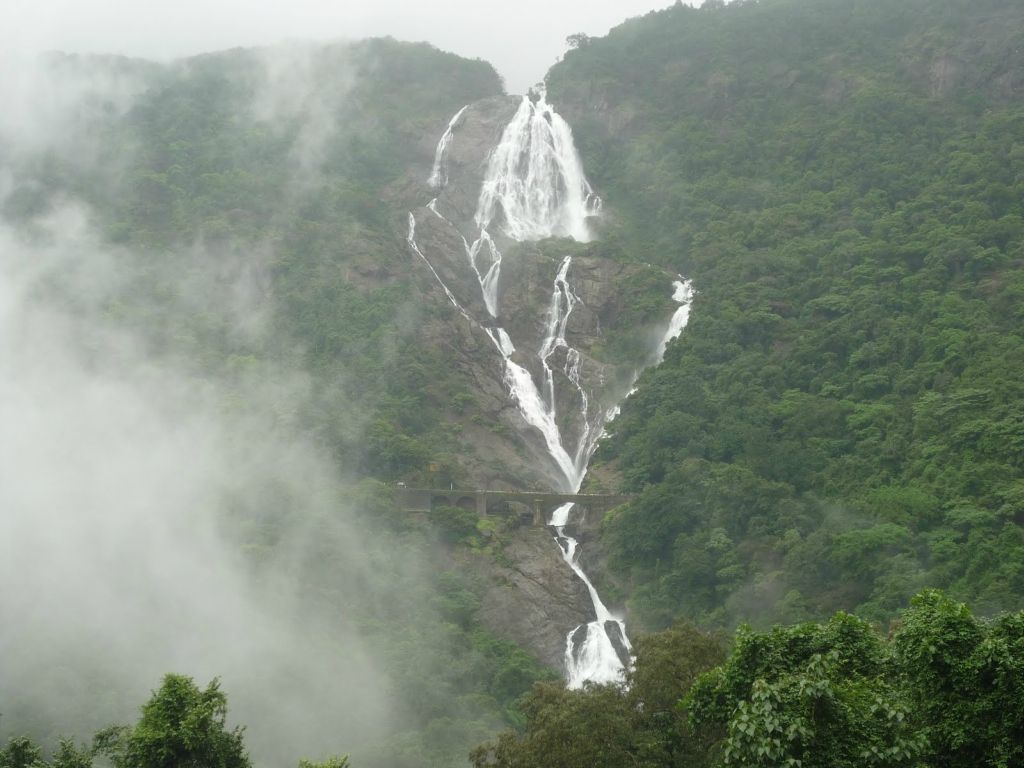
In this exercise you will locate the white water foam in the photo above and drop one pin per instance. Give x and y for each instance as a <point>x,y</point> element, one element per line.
<point>683,296</point>
<point>593,658</point>
<point>535,186</point>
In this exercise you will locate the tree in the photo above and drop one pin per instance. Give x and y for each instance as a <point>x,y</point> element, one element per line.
<point>181,727</point>
<point>70,756</point>
<point>636,724</point>
<point>577,40</point>
<point>812,695</point>
<point>666,665</point>
<point>965,679</point>
<point>566,729</point>
<point>22,753</point>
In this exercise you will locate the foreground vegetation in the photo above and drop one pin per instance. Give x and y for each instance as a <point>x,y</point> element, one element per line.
<point>181,725</point>
<point>943,689</point>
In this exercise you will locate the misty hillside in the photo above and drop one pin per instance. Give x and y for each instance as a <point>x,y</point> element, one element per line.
<point>302,154</point>
<point>213,339</point>
<point>243,307</point>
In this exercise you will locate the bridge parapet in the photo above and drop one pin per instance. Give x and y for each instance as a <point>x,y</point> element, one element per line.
<point>424,499</point>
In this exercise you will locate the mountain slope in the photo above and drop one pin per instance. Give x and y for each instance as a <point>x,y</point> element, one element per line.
<point>841,423</point>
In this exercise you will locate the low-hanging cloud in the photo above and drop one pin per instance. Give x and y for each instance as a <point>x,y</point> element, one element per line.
<point>290,95</point>
<point>115,473</point>
<point>161,507</point>
<point>522,41</point>
<point>54,105</point>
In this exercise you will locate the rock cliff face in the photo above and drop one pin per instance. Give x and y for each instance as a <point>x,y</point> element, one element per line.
<point>531,597</point>
<point>475,134</point>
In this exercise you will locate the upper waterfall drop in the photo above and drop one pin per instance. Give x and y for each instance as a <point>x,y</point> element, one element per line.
<point>534,186</point>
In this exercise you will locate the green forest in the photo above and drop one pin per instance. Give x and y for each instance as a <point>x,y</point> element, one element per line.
<point>943,690</point>
<point>840,425</point>
<point>822,562</point>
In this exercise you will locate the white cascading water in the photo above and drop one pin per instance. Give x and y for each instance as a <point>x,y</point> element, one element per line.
<point>534,188</point>
<point>591,653</point>
<point>411,240</point>
<point>439,174</point>
<point>682,294</point>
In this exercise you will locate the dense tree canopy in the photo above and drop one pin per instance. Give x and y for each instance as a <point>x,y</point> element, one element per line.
<point>182,726</point>
<point>841,423</point>
<point>944,690</point>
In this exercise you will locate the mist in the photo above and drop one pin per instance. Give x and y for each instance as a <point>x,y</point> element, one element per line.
<point>116,471</point>
<point>521,41</point>
<point>166,504</point>
<point>161,514</point>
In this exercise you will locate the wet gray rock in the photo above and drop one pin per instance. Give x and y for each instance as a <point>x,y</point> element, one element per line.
<point>473,138</point>
<point>533,598</point>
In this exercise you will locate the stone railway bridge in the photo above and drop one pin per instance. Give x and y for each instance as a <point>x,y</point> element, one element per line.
<point>425,499</point>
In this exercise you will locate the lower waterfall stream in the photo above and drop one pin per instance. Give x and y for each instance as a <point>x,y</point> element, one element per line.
<point>591,651</point>
<point>534,188</point>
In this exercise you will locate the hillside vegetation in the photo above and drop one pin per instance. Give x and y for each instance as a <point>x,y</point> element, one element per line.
<point>842,423</point>
<point>282,173</point>
<point>943,690</point>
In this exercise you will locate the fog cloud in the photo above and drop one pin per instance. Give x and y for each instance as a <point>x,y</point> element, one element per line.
<point>159,513</point>
<point>290,93</point>
<point>115,473</point>
<point>521,39</point>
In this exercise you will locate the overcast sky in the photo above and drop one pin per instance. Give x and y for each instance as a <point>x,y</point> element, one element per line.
<point>522,38</point>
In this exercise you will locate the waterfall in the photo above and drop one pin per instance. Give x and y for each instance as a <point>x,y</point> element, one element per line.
<point>411,240</point>
<point>534,188</point>
<point>492,268</point>
<point>591,654</point>
<point>597,651</point>
<point>683,296</point>
<point>439,173</point>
